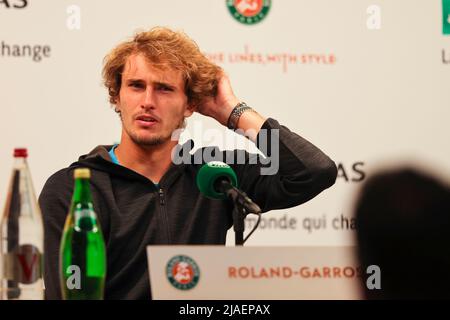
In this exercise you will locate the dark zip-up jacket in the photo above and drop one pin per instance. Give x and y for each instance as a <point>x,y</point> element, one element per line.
<point>134,213</point>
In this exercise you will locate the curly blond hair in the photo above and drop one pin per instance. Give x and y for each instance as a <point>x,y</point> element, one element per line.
<point>165,49</point>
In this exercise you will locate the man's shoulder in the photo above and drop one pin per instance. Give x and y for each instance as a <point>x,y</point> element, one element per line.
<point>65,175</point>
<point>59,180</point>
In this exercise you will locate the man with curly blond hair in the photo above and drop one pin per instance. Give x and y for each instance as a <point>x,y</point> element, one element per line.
<point>155,81</point>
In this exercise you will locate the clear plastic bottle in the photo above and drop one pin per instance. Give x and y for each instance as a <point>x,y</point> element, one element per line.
<point>21,237</point>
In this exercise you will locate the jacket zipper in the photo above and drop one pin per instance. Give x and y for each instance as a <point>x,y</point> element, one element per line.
<point>161,197</point>
<point>163,213</point>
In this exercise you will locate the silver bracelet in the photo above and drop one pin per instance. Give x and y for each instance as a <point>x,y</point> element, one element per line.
<point>240,108</point>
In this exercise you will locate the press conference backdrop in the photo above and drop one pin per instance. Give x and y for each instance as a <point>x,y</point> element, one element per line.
<point>366,81</point>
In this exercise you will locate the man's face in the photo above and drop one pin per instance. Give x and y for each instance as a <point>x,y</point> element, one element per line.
<point>152,102</point>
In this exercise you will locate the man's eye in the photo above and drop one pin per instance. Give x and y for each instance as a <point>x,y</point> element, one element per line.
<point>165,88</point>
<point>136,85</point>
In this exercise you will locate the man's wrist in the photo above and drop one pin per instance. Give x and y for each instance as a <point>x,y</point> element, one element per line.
<point>223,113</point>
<point>236,113</point>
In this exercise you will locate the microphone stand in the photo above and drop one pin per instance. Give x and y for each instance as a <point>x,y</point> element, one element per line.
<point>242,205</point>
<point>239,215</point>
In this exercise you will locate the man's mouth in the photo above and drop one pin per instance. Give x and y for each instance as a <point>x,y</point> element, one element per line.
<point>146,120</point>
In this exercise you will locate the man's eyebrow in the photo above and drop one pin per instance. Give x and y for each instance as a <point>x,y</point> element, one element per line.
<point>130,80</point>
<point>159,83</point>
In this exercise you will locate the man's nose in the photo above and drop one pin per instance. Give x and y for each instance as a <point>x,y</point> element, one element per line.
<point>148,99</point>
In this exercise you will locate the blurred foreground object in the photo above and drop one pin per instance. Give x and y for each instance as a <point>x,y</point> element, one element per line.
<point>22,237</point>
<point>403,218</point>
<point>82,253</point>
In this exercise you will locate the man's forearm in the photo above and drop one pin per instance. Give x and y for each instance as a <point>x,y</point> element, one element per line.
<point>251,122</point>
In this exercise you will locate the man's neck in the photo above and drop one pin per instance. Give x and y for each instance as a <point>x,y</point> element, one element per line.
<point>149,161</point>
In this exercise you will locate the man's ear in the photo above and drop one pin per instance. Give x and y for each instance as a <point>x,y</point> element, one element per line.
<point>189,110</point>
<point>116,100</point>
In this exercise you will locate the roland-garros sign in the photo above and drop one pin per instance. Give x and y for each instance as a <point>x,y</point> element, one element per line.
<point>249,11</point>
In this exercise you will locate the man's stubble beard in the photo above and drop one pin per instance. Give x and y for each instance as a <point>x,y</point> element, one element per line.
<point>153,141</point>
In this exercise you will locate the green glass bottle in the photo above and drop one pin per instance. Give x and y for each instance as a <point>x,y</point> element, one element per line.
<point>82,251</point>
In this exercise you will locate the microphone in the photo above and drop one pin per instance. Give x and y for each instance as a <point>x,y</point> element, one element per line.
<point>213,177</point>
<point>217,180</point>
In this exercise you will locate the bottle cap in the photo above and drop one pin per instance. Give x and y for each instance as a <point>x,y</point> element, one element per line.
<point>20,153</point>
<point>82,173</point>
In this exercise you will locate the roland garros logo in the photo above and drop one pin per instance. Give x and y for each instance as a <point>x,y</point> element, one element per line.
<point>248,11</point>
<point>182,272</point>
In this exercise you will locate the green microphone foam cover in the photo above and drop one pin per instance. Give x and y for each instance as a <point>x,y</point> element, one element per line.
<point>208,175</point>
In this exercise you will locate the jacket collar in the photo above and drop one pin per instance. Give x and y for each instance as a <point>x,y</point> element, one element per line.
<point>99,159</point>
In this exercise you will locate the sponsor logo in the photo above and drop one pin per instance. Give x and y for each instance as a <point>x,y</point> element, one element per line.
<point>182,272</point>
<point>23,265</point>
<point>446,17</point>
<point>287,272</point>
<point>372,273</point>
<point>248,11</point>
